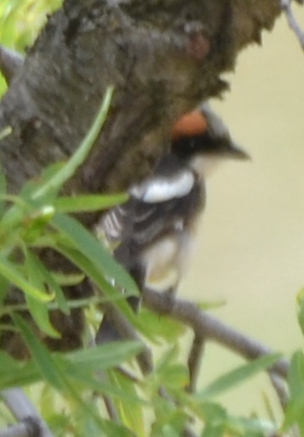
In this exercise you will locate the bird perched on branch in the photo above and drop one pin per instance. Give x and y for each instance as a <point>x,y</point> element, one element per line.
<point>151,232</point>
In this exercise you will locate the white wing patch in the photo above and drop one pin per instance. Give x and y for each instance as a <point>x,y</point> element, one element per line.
<point>109,229</point>
<point>161,189</point>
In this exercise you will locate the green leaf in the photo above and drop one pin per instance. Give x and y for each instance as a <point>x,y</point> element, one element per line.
<point>38,309</point>
<point>213,413</point>
<point>237,376</point>
<point>16,373</point>
<point>12,217</point>
<point>156,327</point>
<point>93,273</point>
<point>88,202</point>
<point>39,353</point>
<point>82,152</point>
<point>27,193</point>
<point>94,251</point>
<point>295,408</point>
<point>300,304</point>
<point>87,381</point>
<point>96,276</point>
<point>296,375</point>
<point>249,427</point>
<point>12,273</point>
<point>132,415</point>
<point>48,279</point>
<point>105,356</point>
<point>213,430</point>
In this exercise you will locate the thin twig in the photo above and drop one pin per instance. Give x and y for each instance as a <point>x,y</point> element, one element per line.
<point>19,430</point>
<point>293,24</point>
<point>127,331</point>
<point>23,410</point>
<point>29,427</point>
<point>280,389</point>
<point>10,63</point>
<point>194,360</point>
<point>212,329</point>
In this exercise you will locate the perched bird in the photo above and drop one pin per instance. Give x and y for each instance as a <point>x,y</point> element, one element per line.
<point>152,231</point>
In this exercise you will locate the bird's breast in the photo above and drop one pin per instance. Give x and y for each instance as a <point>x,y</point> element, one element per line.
<point>164,261</point>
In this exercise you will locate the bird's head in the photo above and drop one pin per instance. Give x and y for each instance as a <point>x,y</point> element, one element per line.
<point>202,140</point>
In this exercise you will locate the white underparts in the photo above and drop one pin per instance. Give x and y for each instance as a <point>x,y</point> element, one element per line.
<point>164,262</point>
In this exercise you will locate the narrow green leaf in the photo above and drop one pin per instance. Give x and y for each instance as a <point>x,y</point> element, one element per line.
<point>7,363</point>
<point>12,273</point>
<point>38,309</point>
<point>12,217</point>
<point>300,308</point>
<point>104,356</point>
<point>132,417</point>
<point>39,353</point>
<point>212,430</point>
<point>87,244</point>
<point>249,426</point>
<point>85,380</point>
<point>169,431</point>
<point>160,328</point>
<point>67,279</point>
<point>82,152</point>
<point>48,279</point>
<point>16,373</point>
<point>91,271</point>
<point>88,202</point>
<point>294,413</point>
<point>27,193</point>
<point>40,314</point>
<point>237,376</point>
<point>296,374</point>
<point>98,278</point>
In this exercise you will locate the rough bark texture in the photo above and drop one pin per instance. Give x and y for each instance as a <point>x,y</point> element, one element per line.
<point>162,56</point>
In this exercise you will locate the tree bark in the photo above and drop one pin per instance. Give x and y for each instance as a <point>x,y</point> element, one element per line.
<point>162,56</point>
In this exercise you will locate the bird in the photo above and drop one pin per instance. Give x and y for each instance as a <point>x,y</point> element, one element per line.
<point>152,232</point>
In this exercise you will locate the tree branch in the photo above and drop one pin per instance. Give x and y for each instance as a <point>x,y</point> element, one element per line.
<point>194,360</point>
<point>25,412</point>
<point>212,329</point>
<point>293,24</point>
<point>10,63</point>
<point>127,331</point>
<point>279,388</point>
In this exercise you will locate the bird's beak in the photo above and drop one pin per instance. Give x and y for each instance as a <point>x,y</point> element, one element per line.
<point>237,152</point>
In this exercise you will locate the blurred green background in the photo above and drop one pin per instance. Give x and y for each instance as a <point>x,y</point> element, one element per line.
<point>250,252</point>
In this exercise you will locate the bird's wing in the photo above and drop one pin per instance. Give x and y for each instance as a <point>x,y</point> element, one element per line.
<point>155,207</point>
